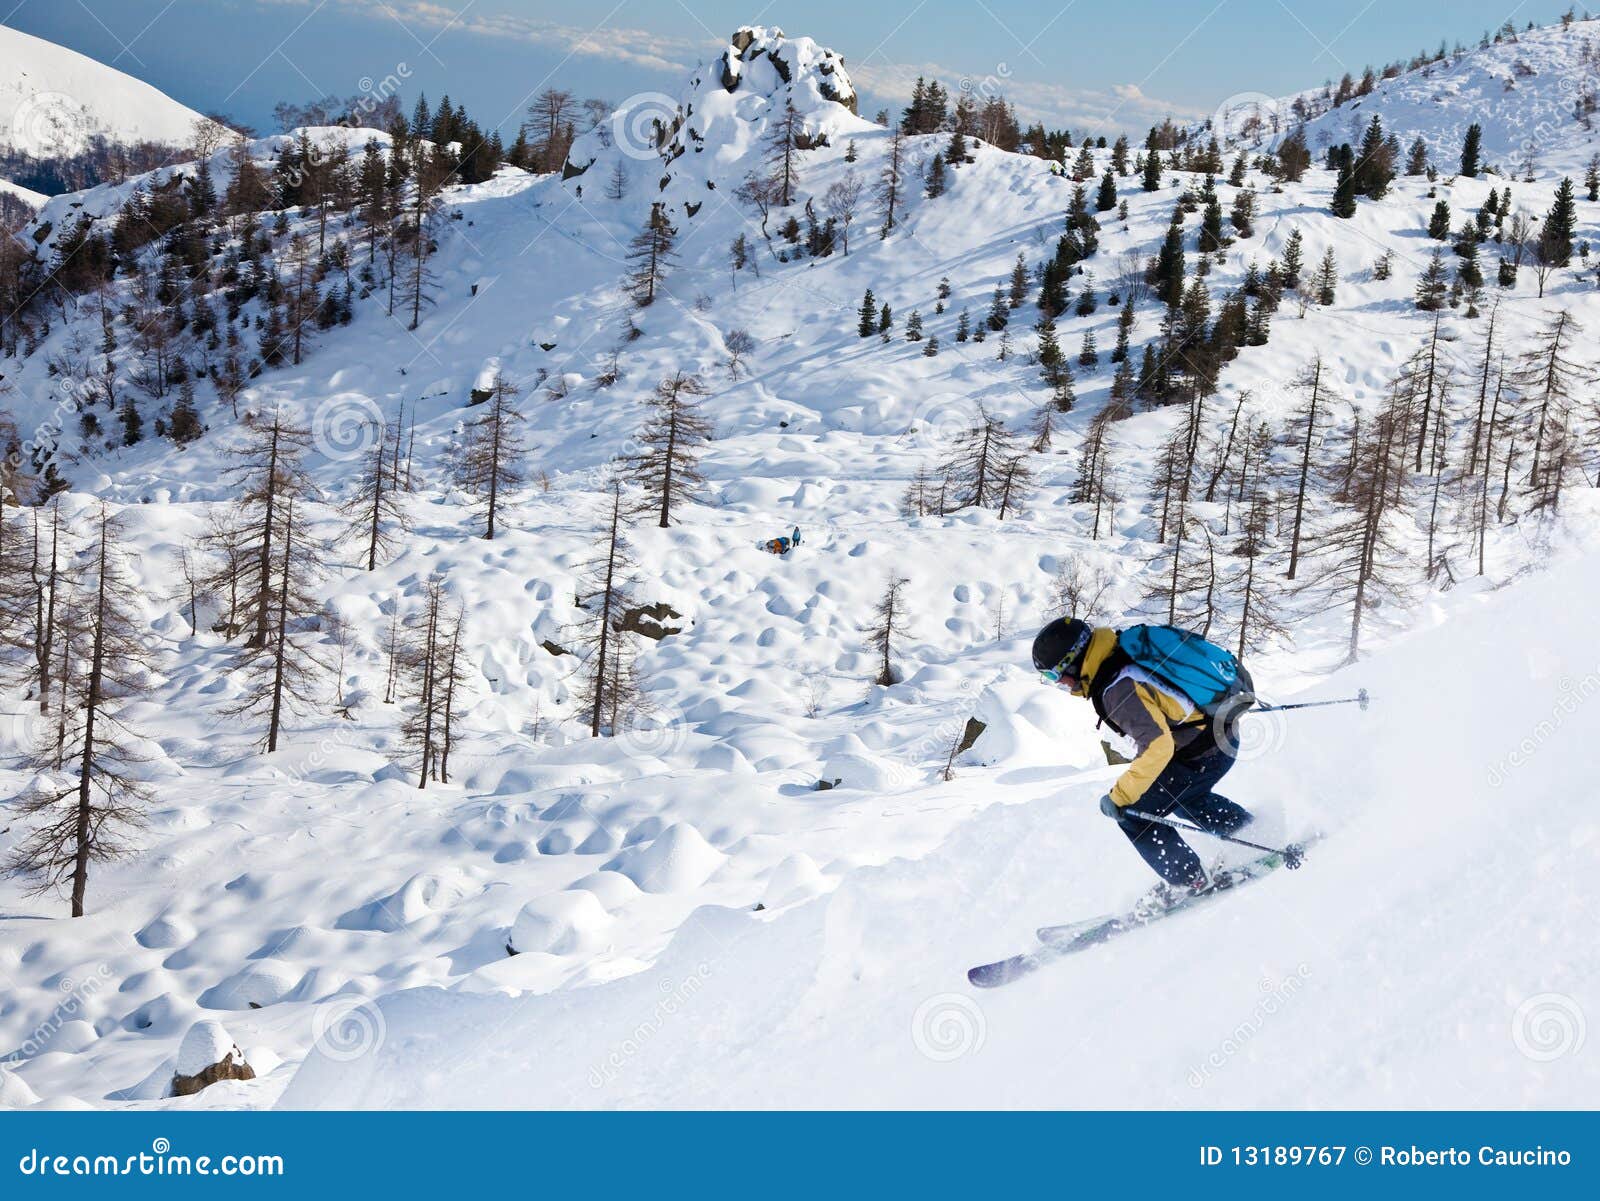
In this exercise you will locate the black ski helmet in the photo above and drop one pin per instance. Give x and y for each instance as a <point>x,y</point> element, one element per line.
<point>1063,637</point>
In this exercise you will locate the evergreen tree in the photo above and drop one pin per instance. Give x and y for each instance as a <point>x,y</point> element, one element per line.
<point>1560,224</point>
<point>1433,286</point>
<point>1293,260</point>
<point>1244,213</point>
<point>999,309</point>
<point>914,327</point>
<point>1374,162</point>
<point>1152,171</point>
<point>1106,198</point>
<point>1088,353</point>
<point>935,177</point>
<point>1211,237</point>
<point>1471,149</point>
<point>1439,223</point>
<point>866,315</point>
<point>1344,192</point>
<point>1018,290</point>
<point>1326,279</point>
<point>1417,158</point>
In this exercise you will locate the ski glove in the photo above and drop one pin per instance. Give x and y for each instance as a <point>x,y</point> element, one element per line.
<point>1110,808</point>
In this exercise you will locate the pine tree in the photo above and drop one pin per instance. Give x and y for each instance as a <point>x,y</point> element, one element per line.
<point>281,673</point>
<point>887,192</point>
<point>1088,355</point>
<point>269,475</point>
<point>374,513</point>
<point>1243,214</point>
<point>1548,376</point>
<point>1374,169</point>
<point>1293,260</point>
<point>1169,268</point>
<point>781,146</point>
<point>963,326</point>
<point>1018,291</point>
<point>1304,432</point>
<point>999,310</point>
<point>1151,180</point>
<point>1439,223</point>
<point>652,252</point>
<point>88,792</point>
<point>608,691</point>
<point>1106,198</point>
<point>1125,319</point>
<point>1560,224</point>
<point>489,463</point>
<point>1344,191</point>
<point>1433,286</point>
<point>867,315</point>
<point>914,327</point>
<point>673,438</point>
<point>1051,359</point>
<point>975,460</point>
<point>1471,148</point>
<point>888,626</point>
<point>1591,178</point>
<point>1417,158</point>
<point>1361,560</point>
<point>934,183</point>
<point>1326,279</point>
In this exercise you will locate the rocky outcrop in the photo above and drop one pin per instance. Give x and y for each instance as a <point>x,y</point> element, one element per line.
<point>208,1055</point>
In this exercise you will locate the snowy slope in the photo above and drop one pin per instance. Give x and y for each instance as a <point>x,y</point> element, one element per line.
<point>1394,969</point>
<point>54,100</point>
<point>1523,92</point>
<point>314,882</point>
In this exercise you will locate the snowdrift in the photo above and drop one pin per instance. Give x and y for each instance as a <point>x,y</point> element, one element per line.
<point>1431,953</point>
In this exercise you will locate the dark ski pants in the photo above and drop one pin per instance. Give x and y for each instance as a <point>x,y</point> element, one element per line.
<point>1184,790</point>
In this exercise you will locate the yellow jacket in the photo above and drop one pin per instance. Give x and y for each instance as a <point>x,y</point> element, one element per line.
<point>1145,709</point>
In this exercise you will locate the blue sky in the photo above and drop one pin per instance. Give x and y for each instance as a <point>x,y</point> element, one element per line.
<point>1106,65</point>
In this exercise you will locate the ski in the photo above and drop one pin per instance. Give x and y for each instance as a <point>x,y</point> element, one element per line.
<point>1061,940</point>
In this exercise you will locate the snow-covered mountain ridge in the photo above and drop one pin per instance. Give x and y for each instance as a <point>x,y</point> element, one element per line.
<point>54,101</point>
<point>351,930</point>
<point>1534,93</point>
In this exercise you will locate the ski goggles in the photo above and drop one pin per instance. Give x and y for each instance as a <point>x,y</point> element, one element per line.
<point>1060,674</point>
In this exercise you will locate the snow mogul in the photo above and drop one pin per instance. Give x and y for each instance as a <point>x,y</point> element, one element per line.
<point>1179,699</point>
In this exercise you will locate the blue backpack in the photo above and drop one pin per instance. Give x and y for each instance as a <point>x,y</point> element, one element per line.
<point>1205,673</point>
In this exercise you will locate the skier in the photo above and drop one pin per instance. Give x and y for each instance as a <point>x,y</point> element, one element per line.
<point>1184,750</point>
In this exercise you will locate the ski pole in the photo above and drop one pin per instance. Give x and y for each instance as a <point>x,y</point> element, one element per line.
<point>1293,855</point>
<point>1361,698</point>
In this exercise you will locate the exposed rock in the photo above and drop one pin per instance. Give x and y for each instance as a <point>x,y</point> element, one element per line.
<point>208,1054</point>
<point>970,734</point>
<point>649,621</point>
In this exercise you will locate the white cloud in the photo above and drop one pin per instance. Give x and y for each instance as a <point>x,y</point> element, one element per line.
<point>1122,107</point>
<point>426,19</point>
